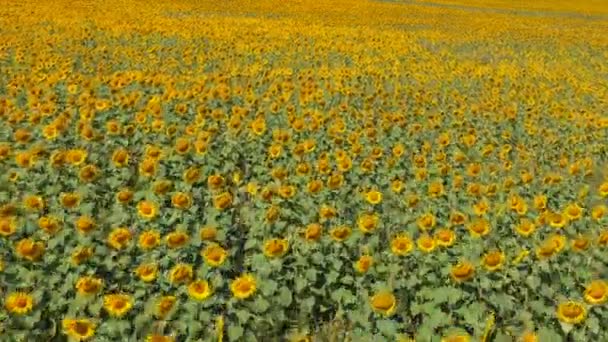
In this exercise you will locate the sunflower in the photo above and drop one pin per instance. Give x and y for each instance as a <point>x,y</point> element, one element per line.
<point>462,271</point>
<point>176,239</point>
<point>215,182</point>
<point>124,196</point>
<point>313,232</point>
<point>426,221</point>
<point>148,167</point>
<point>314,186</point>
<point>147,272</point>
<point>258,126</point>
<point>162,186</point>
<point>493,260</point>
<point>81,254</point>
<point>159,338</point>
<point>368,222</point>
<point>558,240</point>
<point>401,245</point>
<point>340,233</point>
<point>222,201</point>
<point>557,220</point>
<point>49,224</point>
<point>85,224</point>
<point>208,233</point>
<point>397,185</point>
<point>384,302</point>
<point>275,248</point>
<point>457,337</point>
<point>335,181</point>
<point>149,239</point>
<point>581,244</point>
<point>76,156</point>
<point>214,255</point>
<point>120,158</point>
<point>29,249</point>
<point>78,329</point>
<point>70,200</point>
<point>199,289</point>
<point>147,210</point>
<point>436,189</point>
<point>481,208</point>
<point>546,249</point>
<point>573,212</point>
<point>8,226</point>
<point>19,303</point>
<point>364,263</point>
<point>525,227</point>
<point>602,239</point>
<point>327,212</point>
<point>117,305</point>
<point>445,237</point>
<point>571,312</point>
<point>273,213</point>
<point>540,202</point>
<point>33,203</point>
<point>373,197</point>
<point>596,292</point>
<point>25,160</point>
<point>425,243</point>
<point>88,173</point>
<point>603,189</point>
<point>479,227</point>
<point>119,238</point>
<point>599,211</point>
<point>164,305</point>
<point>243,287</point>
<point>181,273</point>
<point>87,285</point>
<point>300,337</point>
<point>181,200</point>
<point>458,218</point>
<point>287,191</point>
<point>528,336</point>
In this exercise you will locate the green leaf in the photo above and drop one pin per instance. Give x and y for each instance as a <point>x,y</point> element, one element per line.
<point>235,332</point>
<point>284,297</point>
<point>566,327</point>
<point>260,305</point>
<point>387,327</point>
<point>546,334</point>
<point>268,287</point>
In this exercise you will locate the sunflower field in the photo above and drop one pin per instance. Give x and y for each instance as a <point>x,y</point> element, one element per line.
<point>306,170</point>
